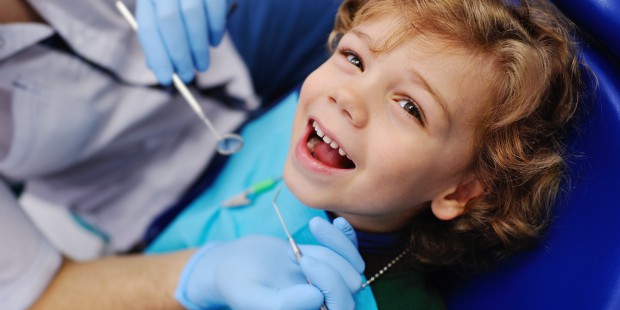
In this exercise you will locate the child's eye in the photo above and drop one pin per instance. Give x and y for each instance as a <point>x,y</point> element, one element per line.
<point>352,57</point>
<point>411,107</point>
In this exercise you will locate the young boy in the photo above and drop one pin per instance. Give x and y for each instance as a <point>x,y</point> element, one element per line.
<point>436,129</point>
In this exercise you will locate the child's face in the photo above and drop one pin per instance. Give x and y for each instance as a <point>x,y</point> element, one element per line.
<point>406,148</point>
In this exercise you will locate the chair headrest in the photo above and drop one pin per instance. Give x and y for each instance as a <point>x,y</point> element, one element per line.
<point>577,266</point>
<point>598,19</point>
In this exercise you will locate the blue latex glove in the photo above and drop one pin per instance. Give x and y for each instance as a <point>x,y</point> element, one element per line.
<point>258,272</point>
<point>322,268</point>
<point>175,34</point>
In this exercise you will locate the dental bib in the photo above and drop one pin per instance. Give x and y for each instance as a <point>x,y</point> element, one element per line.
<point>262,157</point>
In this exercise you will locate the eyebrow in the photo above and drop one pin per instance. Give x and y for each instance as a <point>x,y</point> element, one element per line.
<point>362,35</point>
<point>436,95</point>
<point>416,75</point>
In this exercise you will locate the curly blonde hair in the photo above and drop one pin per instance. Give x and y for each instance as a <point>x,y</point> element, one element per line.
<point>520,156</point>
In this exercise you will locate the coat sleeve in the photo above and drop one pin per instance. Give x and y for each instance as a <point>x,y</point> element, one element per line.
<point>28,261</point>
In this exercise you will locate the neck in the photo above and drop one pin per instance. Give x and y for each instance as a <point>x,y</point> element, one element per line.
<point>379,224</point>
<point>380,242</point>
<point>18,11</point>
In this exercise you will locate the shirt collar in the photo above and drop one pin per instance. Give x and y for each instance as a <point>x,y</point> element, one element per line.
<point>18,36</point>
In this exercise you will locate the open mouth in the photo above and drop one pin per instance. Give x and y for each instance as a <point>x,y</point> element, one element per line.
<point>324,149</point>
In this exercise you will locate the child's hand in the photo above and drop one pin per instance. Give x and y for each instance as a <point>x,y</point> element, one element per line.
<point>175,35</point>
<point>338,277</point>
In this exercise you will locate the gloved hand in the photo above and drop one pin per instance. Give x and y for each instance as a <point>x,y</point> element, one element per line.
<point>175,34</point>
<point>321,267</point>
<point>258,272</point>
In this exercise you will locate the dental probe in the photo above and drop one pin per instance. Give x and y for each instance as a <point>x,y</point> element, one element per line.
<point>294,245</point>
<point>226,144</point>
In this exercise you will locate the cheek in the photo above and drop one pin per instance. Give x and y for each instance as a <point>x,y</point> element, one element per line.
<point>407,170</point>
<point>317,76</point>
<point>311,89</point>
<point>321,79</point>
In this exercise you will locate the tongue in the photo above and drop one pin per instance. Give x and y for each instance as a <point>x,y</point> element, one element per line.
<point>329,156</point>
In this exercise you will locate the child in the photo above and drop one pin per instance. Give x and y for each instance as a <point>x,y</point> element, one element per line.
<point>436,129</point>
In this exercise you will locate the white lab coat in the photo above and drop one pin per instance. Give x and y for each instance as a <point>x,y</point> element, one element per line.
<point>92,135</point>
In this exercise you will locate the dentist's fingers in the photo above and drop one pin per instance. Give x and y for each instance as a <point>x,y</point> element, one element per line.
<point>346,228</point>
<point>176,34</point>
<point>148,33</point>
<point>330,283</point>
<point>295,297</point>
<point>339,264</point>
<point>195,19</point>
<point>172,30</point>
<point>217,14</point>
<point>331,237</point>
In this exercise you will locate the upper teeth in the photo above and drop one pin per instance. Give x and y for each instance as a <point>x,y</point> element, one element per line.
<point>327,139</point>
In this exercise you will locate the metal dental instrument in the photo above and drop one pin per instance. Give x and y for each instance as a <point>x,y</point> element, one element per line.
<point>296,249</point>
<point>227,144</point>
<point>294,245</point>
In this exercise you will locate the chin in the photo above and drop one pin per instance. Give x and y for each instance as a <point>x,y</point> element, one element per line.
<point>300,188</point>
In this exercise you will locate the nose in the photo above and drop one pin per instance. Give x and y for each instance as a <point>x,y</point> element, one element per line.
<point>352,103</point>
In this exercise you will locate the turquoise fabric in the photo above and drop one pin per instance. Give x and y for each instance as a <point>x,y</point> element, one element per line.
<point>263,155</point>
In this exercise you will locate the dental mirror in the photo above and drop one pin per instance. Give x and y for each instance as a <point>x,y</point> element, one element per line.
<point>227,144</point>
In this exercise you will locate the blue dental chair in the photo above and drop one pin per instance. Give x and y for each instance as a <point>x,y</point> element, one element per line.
<point>577,266</point>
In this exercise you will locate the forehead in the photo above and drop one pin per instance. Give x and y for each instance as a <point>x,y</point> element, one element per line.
<point>389,28</point>
<point>459,75</point>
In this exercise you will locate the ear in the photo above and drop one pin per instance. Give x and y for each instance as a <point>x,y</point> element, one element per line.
<point>451,203</point>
